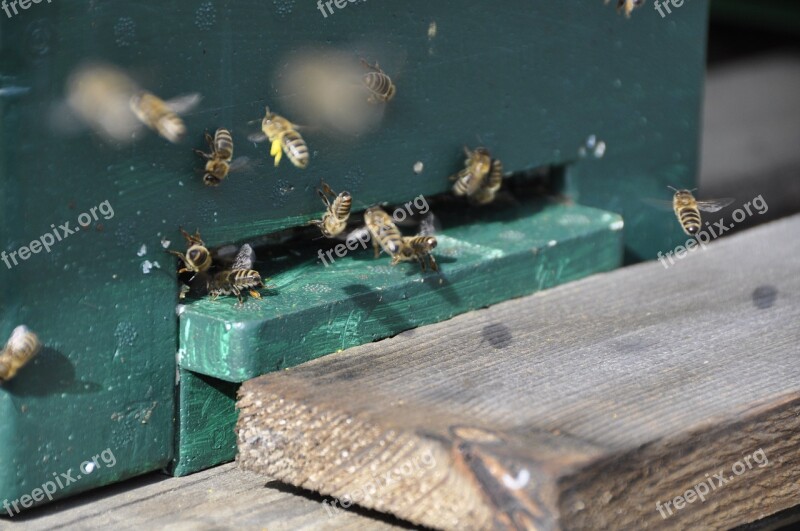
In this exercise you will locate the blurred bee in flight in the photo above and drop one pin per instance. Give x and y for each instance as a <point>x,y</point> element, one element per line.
<point>240,277</point>
<point>627,5</point>
<point>380,86</point>
<point>687,209</point>
<point>481,177</point>
<point>219,162</point>
<point>334,221</point>
<point>22,346</point>
<point>284,138</point>
<point>162,116</point>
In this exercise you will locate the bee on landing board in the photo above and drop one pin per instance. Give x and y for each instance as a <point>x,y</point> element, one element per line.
<point>22,346</point>
<point>162,116</point>
<point>481,177</point>
<point>197,258</point>
<point>380,86</point>
<point>417,248</point>
<point>219,161</point>
<point>334,221</point>
<point>627,5</point>
<point>240,277</point>
<point>284,138</point>
<point>385,234</point>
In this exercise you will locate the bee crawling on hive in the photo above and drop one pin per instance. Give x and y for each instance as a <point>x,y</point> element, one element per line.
<point>162,116</point>
<point>240,277</point>
<point>197,258</point>
<point>334,221</point>
<point>481,178</point>
<point>219,161</point>
<point>380,86</point>
<point>22,346</point>
<point>627,5</point>
<point>284,138</point>
<point>387,236</point>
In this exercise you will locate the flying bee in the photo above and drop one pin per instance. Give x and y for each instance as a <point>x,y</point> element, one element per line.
<point>385,233</point>
<point>238,278</point>
<point>197,258</point>
<point>417,248</point>
<point>380,86</point>
<point>219,162</point>
<point>627,5</point>
<point>334,221</point>
<point>687,209</point>
<point>162,116</point>
<point>284,138</point>
<point>22,346</point>
<point>481,177</point>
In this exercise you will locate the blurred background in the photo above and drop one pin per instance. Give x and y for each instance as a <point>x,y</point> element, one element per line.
<point>751,130</point>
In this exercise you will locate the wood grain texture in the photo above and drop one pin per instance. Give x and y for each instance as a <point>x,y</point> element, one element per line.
<point>582,406</point>
<point>222,499</point>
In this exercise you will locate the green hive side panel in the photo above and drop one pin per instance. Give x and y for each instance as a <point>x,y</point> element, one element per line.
<point>531,79</point>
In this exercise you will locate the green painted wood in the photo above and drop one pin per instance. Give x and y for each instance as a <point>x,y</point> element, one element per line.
<point>358,299</point>
<point>207,414</point>
<point>542,77</point>
<point>317,309</point>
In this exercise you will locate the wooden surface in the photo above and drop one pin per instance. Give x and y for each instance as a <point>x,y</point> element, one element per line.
<point>221,499</point>
<point>581,406</point>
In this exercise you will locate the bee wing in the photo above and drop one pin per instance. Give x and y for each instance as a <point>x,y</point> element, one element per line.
<point>660,204</point>
<point>244,258</point>
<point>714,205</point>
<point>257,137</point>
<point>429,225</point>
<point>239,163</point>
<point>361,234</point>
<point>184,103</point>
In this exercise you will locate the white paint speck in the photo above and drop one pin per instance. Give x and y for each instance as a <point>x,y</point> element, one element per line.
<point>522,479</point>
<point>418,167</point>
<point>552,243</point>
<point>147,266</point>
<point>432,30</point>
<point>165,244</point>
<point>617,225</point>
<point>591,142</point>
<point>89,468</point>
<point>600,150</point>
<point>142,250</point>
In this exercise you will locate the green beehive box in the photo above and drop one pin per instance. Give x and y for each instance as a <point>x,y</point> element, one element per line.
<point>609,105</point>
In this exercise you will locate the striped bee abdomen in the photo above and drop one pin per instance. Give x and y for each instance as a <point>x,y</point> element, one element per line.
<point>689,218</point>
<point>295,148</point>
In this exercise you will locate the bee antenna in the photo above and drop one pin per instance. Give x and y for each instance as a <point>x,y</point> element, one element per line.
<point>693,190</point>
<point>671,188</point>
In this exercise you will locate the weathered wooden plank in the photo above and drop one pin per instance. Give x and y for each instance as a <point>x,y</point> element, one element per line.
<point>583,406</point>
<point>220,499</point>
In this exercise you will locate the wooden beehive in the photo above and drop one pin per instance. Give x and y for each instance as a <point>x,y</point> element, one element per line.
<point>540,83</point>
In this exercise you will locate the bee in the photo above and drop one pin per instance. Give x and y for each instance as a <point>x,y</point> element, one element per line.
<point>219,162</point>
<point>284,138</point>
<point>238,278</point>
<point>627,5</point>
<point>379,85</point>
<point>334,221</point>
<point>385,233</point>
<point>197,258</point>
<point>22,346</point>
<point>162,116</point>
<point>687,209</point>
<point>481,177</point>
<point>417,248</point>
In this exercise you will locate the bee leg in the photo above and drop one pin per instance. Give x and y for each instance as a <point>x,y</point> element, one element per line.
<point>276,151</point>
<point>376,247</point>
<point>202,154</point>
<point>209,141</point>
<point>434,265</point>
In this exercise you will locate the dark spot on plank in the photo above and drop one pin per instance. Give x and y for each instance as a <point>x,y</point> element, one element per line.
<point>498,335</point>
<point>764,297</point>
